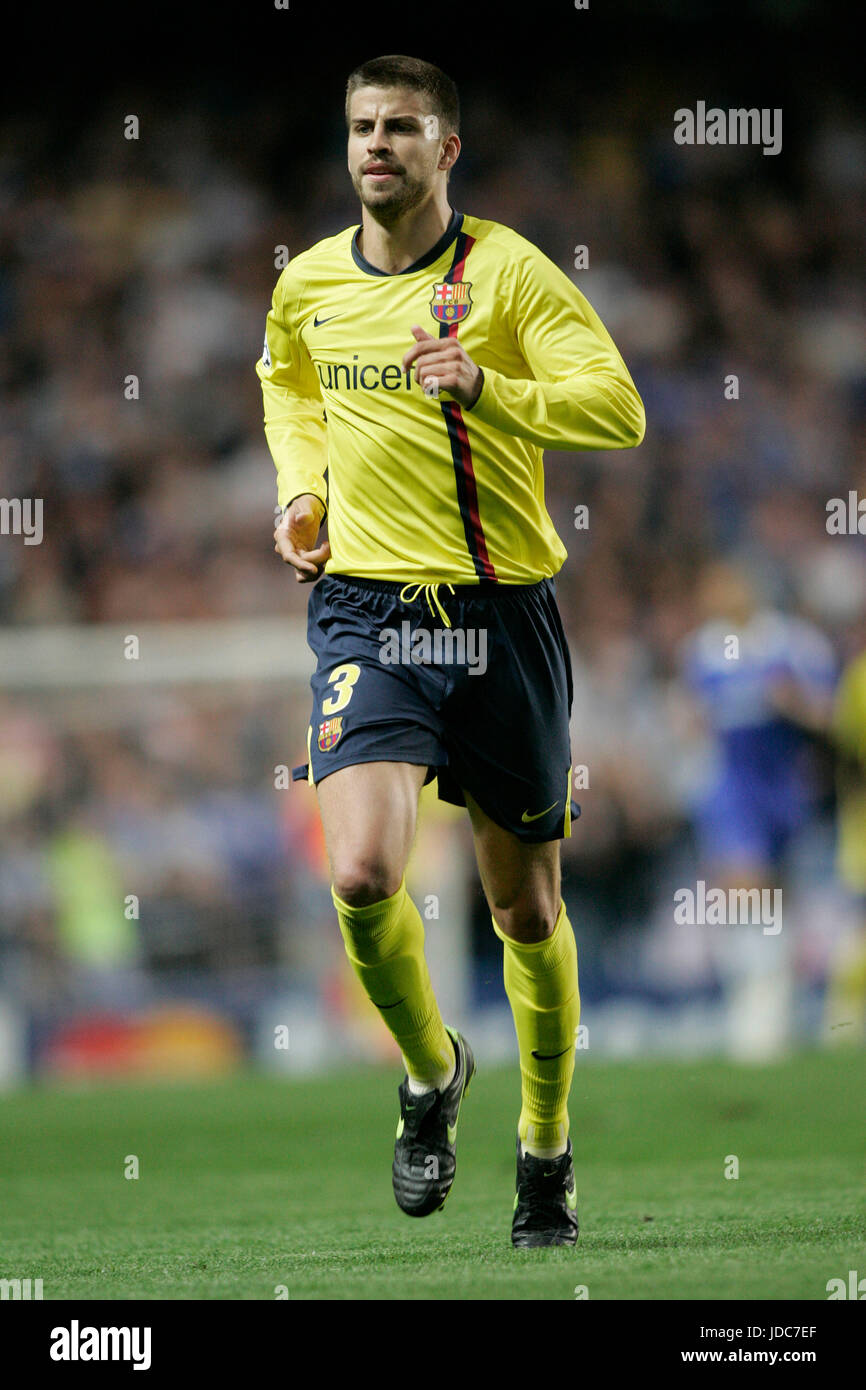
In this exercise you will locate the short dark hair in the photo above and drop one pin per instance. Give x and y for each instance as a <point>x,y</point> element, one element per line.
<point>396,70</point>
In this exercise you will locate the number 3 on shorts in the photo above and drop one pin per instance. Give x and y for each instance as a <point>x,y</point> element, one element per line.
<point>342,678</point>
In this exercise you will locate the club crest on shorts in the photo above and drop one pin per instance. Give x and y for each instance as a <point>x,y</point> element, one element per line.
<point>330,732</point>
<point>451,301</point>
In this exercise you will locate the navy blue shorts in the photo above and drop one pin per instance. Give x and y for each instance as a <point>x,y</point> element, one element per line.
<point>483,703</point>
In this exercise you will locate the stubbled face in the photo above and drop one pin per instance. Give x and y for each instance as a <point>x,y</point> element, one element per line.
<point>392,129</point>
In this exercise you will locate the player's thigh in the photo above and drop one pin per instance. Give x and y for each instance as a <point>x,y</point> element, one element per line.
<point>369,814</point>
<point>521,881</point>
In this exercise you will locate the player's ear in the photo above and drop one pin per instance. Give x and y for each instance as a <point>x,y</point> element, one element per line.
<point>450,152</point>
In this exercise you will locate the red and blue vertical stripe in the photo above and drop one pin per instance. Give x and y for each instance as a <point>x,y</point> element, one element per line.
<point>461,453</point>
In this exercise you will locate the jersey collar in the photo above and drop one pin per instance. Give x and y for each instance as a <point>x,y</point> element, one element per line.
<point>451,231</point>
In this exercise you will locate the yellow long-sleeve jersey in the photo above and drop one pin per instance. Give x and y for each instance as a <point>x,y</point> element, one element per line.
<point>416,486</point>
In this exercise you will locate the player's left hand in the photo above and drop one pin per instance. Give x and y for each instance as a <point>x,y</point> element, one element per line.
<point>445,363</point>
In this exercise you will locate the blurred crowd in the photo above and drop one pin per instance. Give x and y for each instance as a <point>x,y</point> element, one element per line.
<point>135,276</point>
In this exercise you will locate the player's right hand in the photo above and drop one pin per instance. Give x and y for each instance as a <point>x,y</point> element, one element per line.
<point>295,538</point>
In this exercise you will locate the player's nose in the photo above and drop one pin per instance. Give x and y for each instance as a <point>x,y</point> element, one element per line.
<point>378,139</point>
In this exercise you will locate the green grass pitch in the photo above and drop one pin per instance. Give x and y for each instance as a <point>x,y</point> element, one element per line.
<point>253,1183</point>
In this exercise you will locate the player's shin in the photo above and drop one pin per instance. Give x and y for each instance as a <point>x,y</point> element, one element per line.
<point>385,944</point>
<point>542,988</point>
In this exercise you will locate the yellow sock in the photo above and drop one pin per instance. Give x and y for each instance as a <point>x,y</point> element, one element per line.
<point>541,984</point>
<point>385,944</point>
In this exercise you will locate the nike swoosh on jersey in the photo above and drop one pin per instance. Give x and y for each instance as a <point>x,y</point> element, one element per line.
<point>317,322</point>
<point>548,1057</point>
<point>526,817</point>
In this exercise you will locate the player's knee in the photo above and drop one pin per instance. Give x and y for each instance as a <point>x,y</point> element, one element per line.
<point>528,920</point>
<point>361,882</point>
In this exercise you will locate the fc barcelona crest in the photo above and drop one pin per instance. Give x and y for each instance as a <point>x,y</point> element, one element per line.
<point>330,731</point>
<point>451,301</point>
